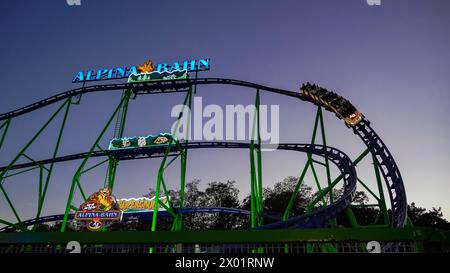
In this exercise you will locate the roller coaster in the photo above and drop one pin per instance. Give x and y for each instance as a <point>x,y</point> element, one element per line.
<point>314,231</point>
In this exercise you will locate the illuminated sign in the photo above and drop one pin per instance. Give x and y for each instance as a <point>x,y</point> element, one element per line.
<point>141,141</point>
<point>99,210</point>
<point>122,72</point>
<point>139,204</point>
<point>158,76</point>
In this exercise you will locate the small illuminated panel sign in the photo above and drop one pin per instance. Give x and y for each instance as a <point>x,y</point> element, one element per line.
<point>103,215</point>
<point>140,204</point>
<point>99,209</point>
<point>102,209</point>
<point>141,141</point>
<point>158,76</point>
<point>122,72</point>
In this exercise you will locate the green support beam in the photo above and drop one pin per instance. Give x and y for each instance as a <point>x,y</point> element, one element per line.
<point>305,169</point>
<point>77,175</point>
<point>334,183</point>
<point>327,163</point>
<point>119,129</point>
<point>22,153</point>
<point>256,189</point>
<point>50,169</point>
<point>160,177</point>
<point>259,159</point>
<point>381,200</point>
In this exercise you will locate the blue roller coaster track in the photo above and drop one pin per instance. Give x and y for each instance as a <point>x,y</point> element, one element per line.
<point>317,218</point>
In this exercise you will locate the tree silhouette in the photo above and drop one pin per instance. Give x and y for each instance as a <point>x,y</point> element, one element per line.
<point>275,199</point>
<point>432,218</point>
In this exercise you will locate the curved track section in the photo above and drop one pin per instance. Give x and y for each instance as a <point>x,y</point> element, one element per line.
<point>317,218</point>
<point>391,173</point>
<point>389,169</point>
<point>157,87</point>
<point>144,215</point>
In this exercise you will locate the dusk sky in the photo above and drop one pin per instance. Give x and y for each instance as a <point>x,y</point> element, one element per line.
<point>391,61</point>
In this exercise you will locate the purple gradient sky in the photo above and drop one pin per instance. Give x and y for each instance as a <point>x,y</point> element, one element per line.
<point>391,61</point>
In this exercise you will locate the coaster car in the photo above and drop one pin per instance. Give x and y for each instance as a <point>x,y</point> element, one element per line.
<point>331,102</point>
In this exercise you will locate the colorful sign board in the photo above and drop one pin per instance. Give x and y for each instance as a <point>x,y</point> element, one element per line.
<point>140,204</point>
<point>102,208</point>
<point>113,73</point>
<point>141,141</point>
<point>158,76</point>
<point>98,209</point>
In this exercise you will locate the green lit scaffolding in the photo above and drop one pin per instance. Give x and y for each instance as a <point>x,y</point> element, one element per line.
<point>119,115</point>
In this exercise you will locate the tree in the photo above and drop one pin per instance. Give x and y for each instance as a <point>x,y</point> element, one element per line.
<point>219,194</point>
<point>433,218</point>
<point>195,198</point>
<point>216,194</point>
<point>276,199</point>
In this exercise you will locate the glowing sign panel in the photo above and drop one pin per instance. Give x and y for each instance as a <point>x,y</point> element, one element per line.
<point>158,76</point>
<point>125,72</point>
<point>139,142</point>
<point>140,204</point>
<point>99,209</point>
<point>102,209</point>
